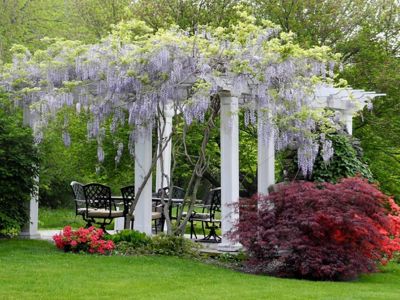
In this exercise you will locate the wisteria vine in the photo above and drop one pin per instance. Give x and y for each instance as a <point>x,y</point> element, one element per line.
<point>128,78</point>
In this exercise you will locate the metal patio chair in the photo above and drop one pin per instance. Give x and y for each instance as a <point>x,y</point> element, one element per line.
<point>128,196</point>
<point>209,216</point>
<point>100,209</point>
<point>177,193</point>
<point>79,198</point>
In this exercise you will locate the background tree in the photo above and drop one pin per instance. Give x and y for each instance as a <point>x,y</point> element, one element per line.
<point>27,22</point>
<point>376,65</point>
<point>187,14</point>
<point>326,22</point>
<point>60,164</point>
<point>97,16</point>
<point>18,167</point>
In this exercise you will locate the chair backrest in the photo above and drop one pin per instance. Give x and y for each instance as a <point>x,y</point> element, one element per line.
<point>213,202</point>
<point>128,196</point>
<point>77,190</point>
<point>177,192</point>
<point>97,195</point>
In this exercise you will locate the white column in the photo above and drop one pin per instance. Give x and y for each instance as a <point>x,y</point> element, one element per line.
<point>119,223</point>
<point>348,121</point>
<point>229,168</point>
<point>30,230</point>
<point>143,158</point>
<point>265,157</point>
<point>168,114</point>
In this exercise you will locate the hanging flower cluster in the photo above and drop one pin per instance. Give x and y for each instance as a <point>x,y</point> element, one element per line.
<point>136,73</point>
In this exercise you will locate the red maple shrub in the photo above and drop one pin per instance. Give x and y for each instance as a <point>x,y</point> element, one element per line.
<point>319,231</point>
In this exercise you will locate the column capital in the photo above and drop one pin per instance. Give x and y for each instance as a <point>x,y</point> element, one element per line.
<point>227,94</point>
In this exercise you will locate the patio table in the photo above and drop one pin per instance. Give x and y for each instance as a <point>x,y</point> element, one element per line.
<point>118,200</point>
<point>174,201</point>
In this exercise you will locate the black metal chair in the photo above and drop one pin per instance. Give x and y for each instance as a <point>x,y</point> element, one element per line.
<point>177,193</point>
<point>99,205</point>
<point>128,196</point>
<point>79,198</point>
<point>209,217</point>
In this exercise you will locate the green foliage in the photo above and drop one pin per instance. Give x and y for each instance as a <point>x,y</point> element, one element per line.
<point>98,16</point>
<point>131,242</point>
<point>132,237</point>
<point>316,22</point>
<point>345,162</point>
<point>18,167</point>
<point>233,258</point>
<point>28,22</point>
<point>188,14</point>
<point>174,245</point>
<point>375,66</point>
<point>60,164</point>
<point>59,218</point>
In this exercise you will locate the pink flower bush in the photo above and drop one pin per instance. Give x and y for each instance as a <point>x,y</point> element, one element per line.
<point>84,239</point>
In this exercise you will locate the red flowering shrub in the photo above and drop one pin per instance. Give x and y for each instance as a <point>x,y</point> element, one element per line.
<point>84,239</point>
<point>319,231</point>
<point>393,244</point>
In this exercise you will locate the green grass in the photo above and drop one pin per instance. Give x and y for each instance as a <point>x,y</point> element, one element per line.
<point>36,270</point>
<point>58,218</point>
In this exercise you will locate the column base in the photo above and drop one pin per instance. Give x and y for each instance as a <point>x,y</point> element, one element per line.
<point>225,247</point>
<point>119,224</point>
<point>30,236</point>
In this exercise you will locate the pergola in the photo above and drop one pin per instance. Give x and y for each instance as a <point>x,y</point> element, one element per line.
<point>346,101</point>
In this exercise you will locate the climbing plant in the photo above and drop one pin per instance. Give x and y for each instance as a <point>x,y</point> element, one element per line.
<point>131,76</point>
<point>139,71</point>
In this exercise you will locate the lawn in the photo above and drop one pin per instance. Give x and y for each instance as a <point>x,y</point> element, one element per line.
<point>58,218</point>
<point>36,270</point>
